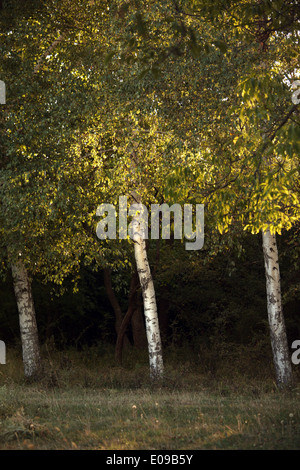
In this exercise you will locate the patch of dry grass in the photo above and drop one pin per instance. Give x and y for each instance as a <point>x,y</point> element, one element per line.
<point>83,403</point>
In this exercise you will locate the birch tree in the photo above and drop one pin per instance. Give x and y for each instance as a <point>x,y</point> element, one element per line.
<point>279,343</point>
<point>148,292</point>
<point>268,143</point>
<point>27,320</point>
<point>29,182</point>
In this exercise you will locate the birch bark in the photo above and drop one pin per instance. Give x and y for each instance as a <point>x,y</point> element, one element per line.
<point>283,370</point>
<point>149,299</point>
<point>27,320</point>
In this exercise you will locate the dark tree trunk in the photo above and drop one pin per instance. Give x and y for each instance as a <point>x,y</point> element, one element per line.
<point>163,315</point>
<point>115,305</point>
<point>138,325</point>
<point>127,318</point>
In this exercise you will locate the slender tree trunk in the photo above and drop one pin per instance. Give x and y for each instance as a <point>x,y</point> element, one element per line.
<point>115,305</point>
<point>150,307</point>
<point>279,342</point>
<point>126,320</point>
<point>27,320</point>
<point>163,315</point>
<point>123,327</point>
<point>138,325</point>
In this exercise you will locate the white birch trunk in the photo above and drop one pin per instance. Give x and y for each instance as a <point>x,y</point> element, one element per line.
<point>279,343</point>
<point>27,320</point>
<point>149,300</point>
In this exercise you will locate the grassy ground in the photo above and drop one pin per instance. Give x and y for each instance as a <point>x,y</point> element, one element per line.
<point>82,403</point>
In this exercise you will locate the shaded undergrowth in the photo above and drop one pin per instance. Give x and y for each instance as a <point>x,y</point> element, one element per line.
<point>86,401</point>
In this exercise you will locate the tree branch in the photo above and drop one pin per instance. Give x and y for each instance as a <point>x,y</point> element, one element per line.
<point>47,52</point>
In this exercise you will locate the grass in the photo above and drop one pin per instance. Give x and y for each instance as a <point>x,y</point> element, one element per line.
<point>85,401</point>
